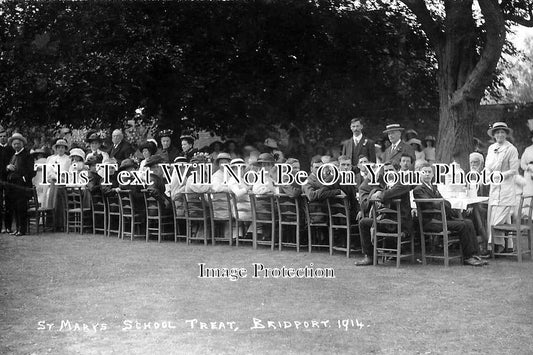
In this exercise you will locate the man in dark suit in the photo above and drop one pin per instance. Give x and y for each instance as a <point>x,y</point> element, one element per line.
<point>394,153</point>
<point>350,188</point>
<point>121,149</point>
<point>6,152</point>
<point>465,228</point>
<point>386,194</point>
<point>19,174</point>
<point>358,144</point>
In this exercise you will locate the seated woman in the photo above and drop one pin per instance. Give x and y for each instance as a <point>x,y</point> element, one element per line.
<point>147,149</point>
<point>127,185</point>
<point>95,179</point>
<point>77,160</point>
<point>240,191</point>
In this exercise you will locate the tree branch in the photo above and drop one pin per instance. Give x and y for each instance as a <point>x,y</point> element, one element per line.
<point>521,20</point>
<point>481,75</point>
<point>429,25</point>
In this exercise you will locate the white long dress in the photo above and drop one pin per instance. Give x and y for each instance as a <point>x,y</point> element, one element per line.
<point>526,164</point>
<point>502,198</point>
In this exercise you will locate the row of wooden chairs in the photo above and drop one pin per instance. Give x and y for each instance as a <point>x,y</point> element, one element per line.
<point>317,224</point>
<point>215,217</point>
<point>390,240</point>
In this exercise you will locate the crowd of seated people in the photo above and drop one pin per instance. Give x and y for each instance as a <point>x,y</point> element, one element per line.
<point>401,151</point>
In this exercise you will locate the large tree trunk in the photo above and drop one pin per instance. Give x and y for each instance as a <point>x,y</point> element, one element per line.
<point>465,71</point>
<point>457,57</point>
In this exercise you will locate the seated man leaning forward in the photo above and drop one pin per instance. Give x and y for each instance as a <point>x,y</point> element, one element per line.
<point>385,195</point>
<point>465,228</point>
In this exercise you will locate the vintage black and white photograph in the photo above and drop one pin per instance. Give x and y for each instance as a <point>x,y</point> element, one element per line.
<point>266,177</point>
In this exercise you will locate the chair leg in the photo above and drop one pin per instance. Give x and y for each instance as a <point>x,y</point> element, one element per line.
<point>297,238</point>
<point>446,251</point>
<point>519,245</point>
<point>348,246</point>
<point>309,243</point>
<point>330,232</point>
<point>254,234</point>
<point>423,246</point>
<point>398,250</point>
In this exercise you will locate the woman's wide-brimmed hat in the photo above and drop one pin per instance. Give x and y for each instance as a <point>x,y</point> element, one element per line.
<point>497,126</point>
<point>60,142</point>
<point>414,141</point>
<point>93,136</point>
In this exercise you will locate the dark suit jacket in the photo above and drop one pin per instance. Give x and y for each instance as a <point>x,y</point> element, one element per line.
<point>121,152</point>
<point>422,191</point>
<point>396,155</point>
<point>5,156</point>
<point>401,192</point>
<point>362,148</point>
<point>365,192</point>
<point>23,169</point>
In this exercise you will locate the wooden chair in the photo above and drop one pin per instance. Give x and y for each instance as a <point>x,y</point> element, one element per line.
<point>77,211</point>
<point>180,221</point>
<point>289,216</point>
<point>196,215</point>
<point>99,209</point>
<point>443,237</point>
<point>113,215</point>
<point>387,234</point>
<point>219,206</point>
<point>131,216</point>
<point>520,230</point>
<point>263,214</point>
<point>39,215</point>
<point>317,219</point>
<point>243,219</point>
<point>159,219</point>
<point>339,219</point>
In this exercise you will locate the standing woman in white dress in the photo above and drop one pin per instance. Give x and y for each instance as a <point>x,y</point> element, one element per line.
<point>527,165</point>
<point>502,156</point>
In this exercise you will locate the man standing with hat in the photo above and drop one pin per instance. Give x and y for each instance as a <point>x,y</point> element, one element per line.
<point>6,152</point>
<point>168,152</point>
<point>394,153</point>
<point>19,175</point>
<point>358,144</point>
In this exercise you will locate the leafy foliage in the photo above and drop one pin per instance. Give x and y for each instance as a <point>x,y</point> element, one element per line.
<point>223,67</point>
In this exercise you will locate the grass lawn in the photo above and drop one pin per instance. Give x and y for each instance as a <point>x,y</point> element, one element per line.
<point>107,285</point>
